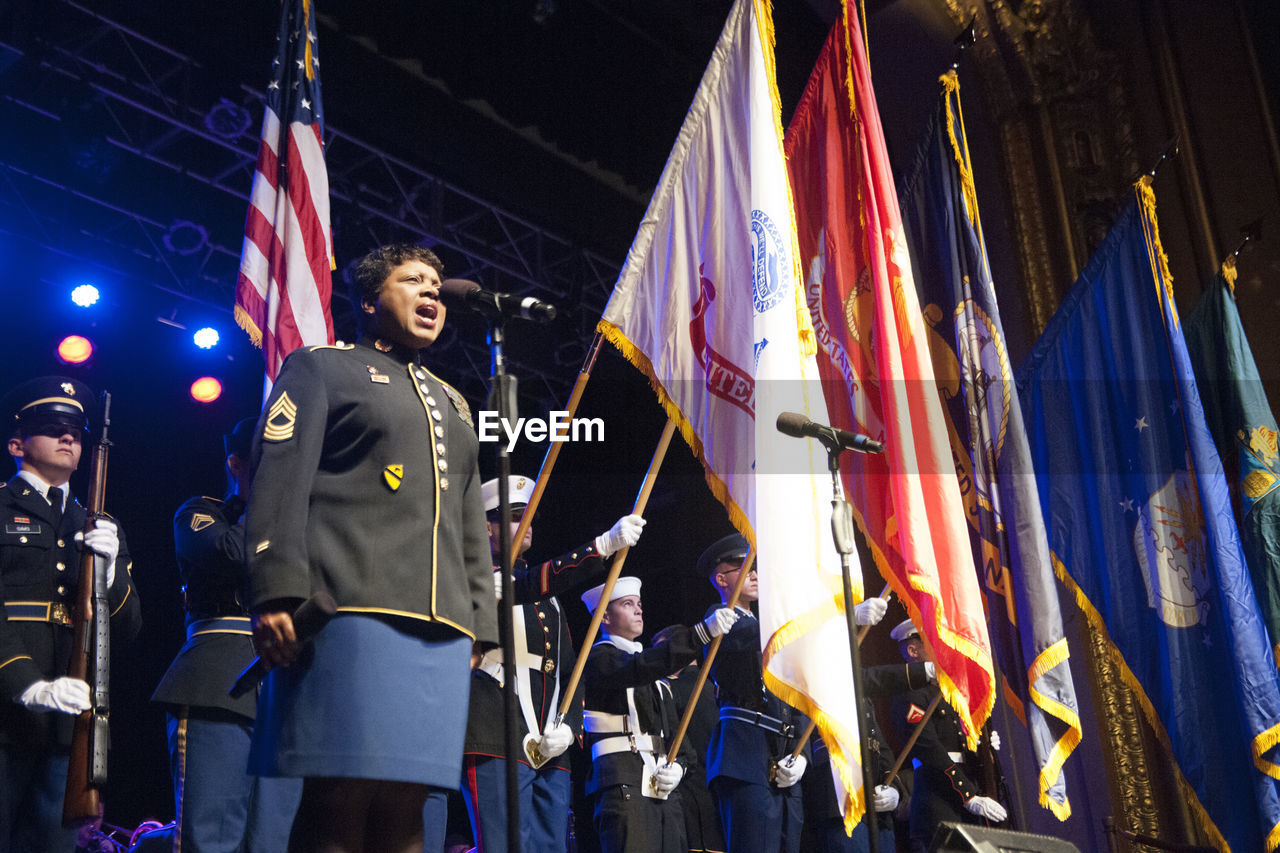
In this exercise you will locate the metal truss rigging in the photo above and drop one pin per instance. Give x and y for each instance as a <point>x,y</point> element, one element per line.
<point>128,154</point>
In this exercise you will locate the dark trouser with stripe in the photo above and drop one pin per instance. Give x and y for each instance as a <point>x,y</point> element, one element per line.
<point>220,807</point>
<point>628,822</point>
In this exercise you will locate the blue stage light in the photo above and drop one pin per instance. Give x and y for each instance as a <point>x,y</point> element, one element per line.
<point>206,338</point>
<point>85,295</point>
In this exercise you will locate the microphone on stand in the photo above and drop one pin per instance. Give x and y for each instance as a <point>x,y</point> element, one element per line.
<point>498,304</point>
<point>311,615</point>
<point>798,426</point>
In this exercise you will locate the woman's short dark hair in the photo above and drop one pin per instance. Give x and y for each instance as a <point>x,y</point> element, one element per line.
<point>372,270</point>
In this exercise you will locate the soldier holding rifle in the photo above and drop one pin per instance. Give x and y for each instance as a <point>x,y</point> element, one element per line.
<point>44,532</point>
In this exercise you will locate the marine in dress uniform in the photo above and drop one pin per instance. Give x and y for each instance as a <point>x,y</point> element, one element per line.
<point>752,782</point>
<point>544,661</point>
<point>630,714</point>
<point>821,806</point>
<point>219,806</point>
<point>39,580</point>
<point>366,485</point>
<point>945,768</point>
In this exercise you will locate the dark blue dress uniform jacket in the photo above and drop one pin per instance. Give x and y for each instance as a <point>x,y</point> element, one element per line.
<point>39,579</point>
<point>366,485</point>
<point>208,535</point>
<point>740,750</point>
<point>546,634</point>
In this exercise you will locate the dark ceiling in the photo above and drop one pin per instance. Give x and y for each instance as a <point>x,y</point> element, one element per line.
<point>520,137</point>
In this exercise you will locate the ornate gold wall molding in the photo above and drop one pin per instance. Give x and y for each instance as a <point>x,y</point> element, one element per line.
<point>1132,793</point>
<point>1066,139</point>
<point>1066,134</point>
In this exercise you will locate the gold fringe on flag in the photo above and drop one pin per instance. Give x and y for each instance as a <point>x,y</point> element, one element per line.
<point>1099,625</point>
<point>244,321</point>
<point>632,353</point>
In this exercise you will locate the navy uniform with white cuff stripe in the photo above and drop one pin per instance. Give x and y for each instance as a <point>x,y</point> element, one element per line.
<point>218,805</point>
<point>39,582</point>
<point>630,716</point>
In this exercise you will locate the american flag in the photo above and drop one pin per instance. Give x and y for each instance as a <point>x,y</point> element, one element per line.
<point>283,290</point>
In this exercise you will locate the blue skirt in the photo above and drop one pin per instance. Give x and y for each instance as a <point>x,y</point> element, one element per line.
<point>367,700</point>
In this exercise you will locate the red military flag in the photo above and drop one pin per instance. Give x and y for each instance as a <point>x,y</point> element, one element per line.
<point>284,286</point>
<point>876,368</point>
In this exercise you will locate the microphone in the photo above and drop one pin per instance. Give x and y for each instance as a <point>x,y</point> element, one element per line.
<point>798,426</point>
<point>498,304</point>
<point>311,615</point>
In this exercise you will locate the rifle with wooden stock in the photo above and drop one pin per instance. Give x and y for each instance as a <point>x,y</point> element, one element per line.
<point>90,651</point>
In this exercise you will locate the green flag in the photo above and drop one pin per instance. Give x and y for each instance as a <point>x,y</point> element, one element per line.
<point>1244,429</point>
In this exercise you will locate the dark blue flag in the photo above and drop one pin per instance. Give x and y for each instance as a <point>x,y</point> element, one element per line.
<point>1244,429</point>
<point>1141,527</point>
<point>989,443</point>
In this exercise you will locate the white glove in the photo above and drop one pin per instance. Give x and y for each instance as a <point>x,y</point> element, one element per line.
<point>69,695</point>
<point>930,671</point>
<point>497,584</point>
<point>666,777</point>
<point>995,740</point>
<point>555,740</point>
<point>624,533</point>
<point>105,542</point>
<point>886,799</point>
<point>789,771</point>
<point>988,808</point>
<point>720,621</point>
<point>870,611</point>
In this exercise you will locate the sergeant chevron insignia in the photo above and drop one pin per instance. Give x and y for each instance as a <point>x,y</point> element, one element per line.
<point>200,521</point>
<point>281,418</point>
<point>393,475</point>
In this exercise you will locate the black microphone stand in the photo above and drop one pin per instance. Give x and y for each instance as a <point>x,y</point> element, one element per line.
<point>842,533</point>
<point>502,398</point>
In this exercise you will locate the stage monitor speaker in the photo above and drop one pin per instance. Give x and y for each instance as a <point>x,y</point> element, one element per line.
<point>965,838</point>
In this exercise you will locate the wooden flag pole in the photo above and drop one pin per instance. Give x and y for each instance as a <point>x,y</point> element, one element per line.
<point>553,448</point>
<point>911,741</point>
<point>813,724</point>
<point>615,571</point>
<point>703,671</point>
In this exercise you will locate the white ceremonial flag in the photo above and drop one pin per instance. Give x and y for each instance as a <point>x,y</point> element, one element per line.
<point>709,305</point>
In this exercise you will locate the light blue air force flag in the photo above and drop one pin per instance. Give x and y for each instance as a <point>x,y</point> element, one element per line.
<point>1139,517</point>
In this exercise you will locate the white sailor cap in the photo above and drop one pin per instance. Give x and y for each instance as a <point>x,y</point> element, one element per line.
<point>622,587</point>
<point>519,491</point>
<point>903,630</point>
